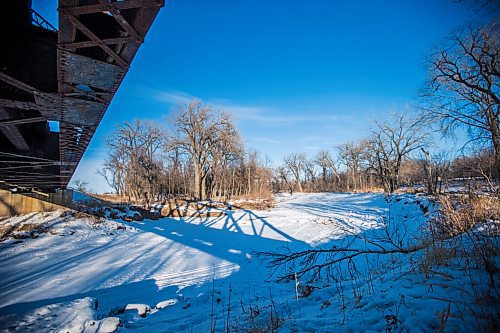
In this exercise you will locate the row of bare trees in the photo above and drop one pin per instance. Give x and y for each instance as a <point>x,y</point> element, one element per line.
<point>372,162</point>
<point>203,158</point>
<point>354,166</point>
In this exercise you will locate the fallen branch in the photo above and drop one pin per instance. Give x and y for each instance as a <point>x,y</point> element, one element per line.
<point>308,259</point>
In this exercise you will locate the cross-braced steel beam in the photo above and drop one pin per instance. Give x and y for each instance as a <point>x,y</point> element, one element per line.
<point>95,43</point>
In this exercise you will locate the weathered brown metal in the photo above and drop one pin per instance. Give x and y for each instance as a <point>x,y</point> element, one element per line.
<point>16,83</point>
<point>74,111</point>
<point>96,43</point>
<point>15,138</point>
<point>91,43</point>
<point>75,22</point>
<point>9,103</point>
<point>22,121</point>
<point>111,7</point>
<point>12,133</point>
<point>126,4</point>
<point>97,75</point>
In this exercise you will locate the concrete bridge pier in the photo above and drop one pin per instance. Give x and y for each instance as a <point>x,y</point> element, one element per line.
<point>12,203</point>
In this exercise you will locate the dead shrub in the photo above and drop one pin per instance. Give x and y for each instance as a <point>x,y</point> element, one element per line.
<point>462,214</point>
<point>264,194</point>
<point>260,320</point>
<point>437,255</point>
<point>463,235</point>
<point>261,204</point>
<point>485,252</point>
<point>486,208</point>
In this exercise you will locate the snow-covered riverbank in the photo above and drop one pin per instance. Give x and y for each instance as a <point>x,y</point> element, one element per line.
<point>192,274</point>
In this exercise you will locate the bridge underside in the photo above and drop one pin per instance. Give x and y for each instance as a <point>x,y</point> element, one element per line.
<point>56,84</point>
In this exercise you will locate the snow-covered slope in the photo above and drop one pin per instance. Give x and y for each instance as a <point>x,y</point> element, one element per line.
<point>192,274</point>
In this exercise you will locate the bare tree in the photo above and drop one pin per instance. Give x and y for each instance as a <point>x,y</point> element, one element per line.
<point>328,170</point>
<point>429,172</point>
<point>295,163</point>
<point>353,155</point>
<point>436,170</point>
<point>81,186</point>
<point>390,143</point>
<point>281,180</point>
<point>134,164</point>
<point>478,164</point>
<point>223,152</point>
<point>463,89</point>
<point>322,159</point>
<point>203,133</point>
<point>114,171</point>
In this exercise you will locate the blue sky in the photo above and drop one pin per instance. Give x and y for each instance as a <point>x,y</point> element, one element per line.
<point>298,76</point>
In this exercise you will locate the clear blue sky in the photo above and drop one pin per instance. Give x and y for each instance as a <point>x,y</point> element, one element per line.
<point>298,76</point>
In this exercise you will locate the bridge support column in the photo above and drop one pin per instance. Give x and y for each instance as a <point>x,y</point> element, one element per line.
<point>22,203</point>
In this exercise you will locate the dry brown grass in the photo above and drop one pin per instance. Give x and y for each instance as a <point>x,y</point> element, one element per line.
<point>264,194</point>
<point>370,189</point>
<point>455,242</point>
<point>437,255</point>
<point>262,204</point>
<point>110,198</point>
<point>458,215</point>
<point>184,208</point>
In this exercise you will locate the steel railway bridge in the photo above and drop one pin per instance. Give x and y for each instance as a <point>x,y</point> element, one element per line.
<point>56,84</point>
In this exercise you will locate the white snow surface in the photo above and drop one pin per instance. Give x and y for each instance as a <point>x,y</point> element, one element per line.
<point>183,274</point>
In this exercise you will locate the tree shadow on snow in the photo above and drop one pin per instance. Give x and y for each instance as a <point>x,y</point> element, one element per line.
<point>229,242</point>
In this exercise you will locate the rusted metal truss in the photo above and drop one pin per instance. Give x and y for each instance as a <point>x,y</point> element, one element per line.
<point>96,42</point>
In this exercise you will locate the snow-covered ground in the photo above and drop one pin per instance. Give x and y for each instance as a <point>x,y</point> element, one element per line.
<point>194,274</point>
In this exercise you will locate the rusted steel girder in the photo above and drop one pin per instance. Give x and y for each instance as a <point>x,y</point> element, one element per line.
<point>97,42</point>
<point>79,72</point>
